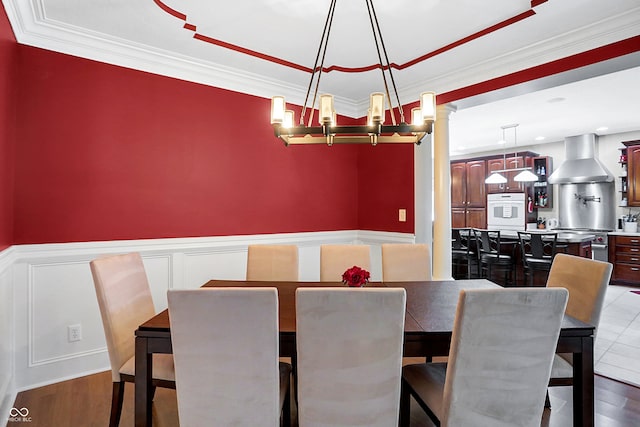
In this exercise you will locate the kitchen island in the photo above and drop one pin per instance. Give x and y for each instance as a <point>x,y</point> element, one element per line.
<point>568,242</point>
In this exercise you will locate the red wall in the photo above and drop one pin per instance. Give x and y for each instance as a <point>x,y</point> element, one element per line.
<point>111,153</point>
<point>385,184</point>
<point>8,49</point>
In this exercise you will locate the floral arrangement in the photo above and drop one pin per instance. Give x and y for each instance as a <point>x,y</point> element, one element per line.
<point>355,276</point>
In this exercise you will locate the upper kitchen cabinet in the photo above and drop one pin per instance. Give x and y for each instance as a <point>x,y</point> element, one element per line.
<point>510,161</point>
<point>632,154</point>
<point>468,196</point>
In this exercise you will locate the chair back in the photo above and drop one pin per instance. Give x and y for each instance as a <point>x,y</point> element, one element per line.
<point>225,347</point>
<point>349,347</point>
<point>537,246</point>
<point>272,263</point>
<point>336,259</point>
<point>460,241</point>
<point>487,242</point>
<point>125,302</point>
<point>587,281</point>
<point>405,262</point>
<point>502,348</point>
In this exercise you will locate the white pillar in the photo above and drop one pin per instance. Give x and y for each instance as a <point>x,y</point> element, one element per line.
<point>442,190</point>
<point>423,192</point>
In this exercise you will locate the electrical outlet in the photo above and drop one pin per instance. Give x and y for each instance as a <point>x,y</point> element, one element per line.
<point>74,333</point>
<point>402,215</point>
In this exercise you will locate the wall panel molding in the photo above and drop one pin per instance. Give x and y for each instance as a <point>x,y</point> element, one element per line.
<point>52,288</point>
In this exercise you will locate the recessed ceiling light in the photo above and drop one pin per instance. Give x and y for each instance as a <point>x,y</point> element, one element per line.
<point>558,99</point>
<point>502,141</point>
<point>539,138</point>
<point>602,128</point>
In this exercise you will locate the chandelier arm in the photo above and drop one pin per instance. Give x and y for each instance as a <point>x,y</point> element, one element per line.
<point>382,67</point>
<point>324,52</point>
<point>384,50</point>
<point>327,24</point>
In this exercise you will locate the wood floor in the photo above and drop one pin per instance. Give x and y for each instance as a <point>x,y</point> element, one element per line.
<point>85,402</point>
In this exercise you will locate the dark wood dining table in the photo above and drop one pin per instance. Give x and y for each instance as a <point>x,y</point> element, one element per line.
<point>430,314</point>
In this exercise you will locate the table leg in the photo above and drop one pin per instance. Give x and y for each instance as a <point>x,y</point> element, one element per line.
<point>583,384</point>
<point>143,383</point>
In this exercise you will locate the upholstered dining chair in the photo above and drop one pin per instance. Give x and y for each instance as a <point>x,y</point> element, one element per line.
<point>502,349</point>
<point>587,281</point>
<point>125,302</point>
<point>349,344</point>
<point>272,263</point>
<point>336,259</point>
<point>405,262</point>
<point>225,345</point>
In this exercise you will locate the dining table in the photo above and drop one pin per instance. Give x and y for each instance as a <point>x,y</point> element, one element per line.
<point>430,314</point>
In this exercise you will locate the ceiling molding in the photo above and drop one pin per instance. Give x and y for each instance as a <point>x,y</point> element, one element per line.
<point>32,28</point>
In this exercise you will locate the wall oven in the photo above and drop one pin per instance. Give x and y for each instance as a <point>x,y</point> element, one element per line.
<point>506,211</point>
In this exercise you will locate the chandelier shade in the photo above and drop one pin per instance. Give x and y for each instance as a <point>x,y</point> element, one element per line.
<point>374,131</point>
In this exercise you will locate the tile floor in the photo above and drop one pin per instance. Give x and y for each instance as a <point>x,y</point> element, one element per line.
<point>617,346</point>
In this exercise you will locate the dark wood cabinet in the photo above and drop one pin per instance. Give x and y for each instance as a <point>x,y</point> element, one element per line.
<point>510,161</point>
<point>468,196</point>
<point>633,172</point>
<point>624,253</point>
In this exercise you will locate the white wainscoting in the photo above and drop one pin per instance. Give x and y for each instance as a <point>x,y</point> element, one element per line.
<point>45,288</point>
<point>7,386</point>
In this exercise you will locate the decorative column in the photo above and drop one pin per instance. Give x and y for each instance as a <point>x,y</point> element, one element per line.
<point>442,195</point>
<point>423,193</point>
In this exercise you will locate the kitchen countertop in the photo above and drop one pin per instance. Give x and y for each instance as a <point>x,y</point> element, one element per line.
<point>563,236</point>
<point>622,233</point>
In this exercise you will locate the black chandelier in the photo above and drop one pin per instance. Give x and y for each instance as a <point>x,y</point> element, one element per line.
<point>374,131</point>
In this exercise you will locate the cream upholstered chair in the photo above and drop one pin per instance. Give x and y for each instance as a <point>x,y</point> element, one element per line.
<point>587,281</point>
<point>273,263</point>
<point>349,345</point>
<point>502,349</point>
<point>125,302</point>
<point>225,344</point>
<point>336,259</point>
<point>405,262</point>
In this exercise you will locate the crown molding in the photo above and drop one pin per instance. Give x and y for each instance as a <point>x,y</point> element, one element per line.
<point>31,27</point>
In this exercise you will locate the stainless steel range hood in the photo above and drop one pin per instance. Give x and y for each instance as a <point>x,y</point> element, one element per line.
<point>580,165</point>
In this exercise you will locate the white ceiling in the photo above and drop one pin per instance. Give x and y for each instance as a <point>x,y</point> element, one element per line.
<point>181,38</point>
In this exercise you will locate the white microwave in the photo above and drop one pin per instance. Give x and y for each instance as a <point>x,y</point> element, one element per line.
<point>507,211</point>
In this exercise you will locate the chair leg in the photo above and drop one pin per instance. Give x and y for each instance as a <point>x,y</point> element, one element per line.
<point>547,402</point>
<point>286,409</point>
<point>405,405</point>
<point>117,397</point>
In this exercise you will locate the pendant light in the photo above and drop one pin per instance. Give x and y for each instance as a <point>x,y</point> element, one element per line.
<point>496,177</point>
<point>526,175</point>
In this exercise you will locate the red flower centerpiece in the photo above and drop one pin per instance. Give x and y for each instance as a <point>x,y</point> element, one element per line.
<point>355,277</point>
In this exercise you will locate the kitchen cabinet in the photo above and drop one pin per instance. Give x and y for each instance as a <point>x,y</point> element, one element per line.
<point>512,161</point>
<point>468,196</point>
<point>631,153</point>
<point>624,253</point>
<point>542,191</point>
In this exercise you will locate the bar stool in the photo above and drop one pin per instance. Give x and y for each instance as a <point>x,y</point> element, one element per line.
<point>462,253</point>
<point>491,256</point>
<point>538,250</point>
